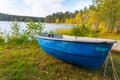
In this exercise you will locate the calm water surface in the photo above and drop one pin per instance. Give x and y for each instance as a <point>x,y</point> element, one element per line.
<point>6,26</point>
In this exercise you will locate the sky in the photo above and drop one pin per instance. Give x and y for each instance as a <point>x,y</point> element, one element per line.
<point>41,8</point>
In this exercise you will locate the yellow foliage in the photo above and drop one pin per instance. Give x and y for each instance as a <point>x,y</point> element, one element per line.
<point>92,18</point>
<point>71,20</point>
<point>57,20</point>
<point>102,27</point>
<point>67,21</point>
<point>77,18</point>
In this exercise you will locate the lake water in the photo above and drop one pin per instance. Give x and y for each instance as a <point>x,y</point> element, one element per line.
<point>6,26</point>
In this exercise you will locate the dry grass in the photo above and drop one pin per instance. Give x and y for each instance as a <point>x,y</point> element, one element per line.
<point>65,31</point>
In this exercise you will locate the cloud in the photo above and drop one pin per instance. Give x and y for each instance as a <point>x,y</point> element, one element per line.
<point>3,5</point>
<point>41,7</point>
<point>82,3</point>
<point>7,7</point>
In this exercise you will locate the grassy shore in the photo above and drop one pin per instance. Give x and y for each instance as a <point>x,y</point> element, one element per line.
<point>28,62</point>
<point>106,34</point>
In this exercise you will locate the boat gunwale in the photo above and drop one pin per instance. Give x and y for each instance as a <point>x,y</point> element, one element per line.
<point>76,40</point>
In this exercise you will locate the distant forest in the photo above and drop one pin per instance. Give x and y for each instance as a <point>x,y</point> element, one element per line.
<point>102,14</point>
<point>8,17</point>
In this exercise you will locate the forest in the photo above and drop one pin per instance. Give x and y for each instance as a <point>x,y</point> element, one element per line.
<point>8,17</point>
<point>103,14</point>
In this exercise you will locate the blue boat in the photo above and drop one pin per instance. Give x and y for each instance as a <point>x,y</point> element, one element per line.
<point>90,52</point>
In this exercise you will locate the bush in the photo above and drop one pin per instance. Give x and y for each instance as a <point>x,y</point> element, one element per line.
<point>81,31</point>
<point>1,37</point>
<point>17,40</point>
<point>75,31</point>
<point>1,40</point>
<point>15,29</point>
<point>16,37</point>
<point>32,28</point>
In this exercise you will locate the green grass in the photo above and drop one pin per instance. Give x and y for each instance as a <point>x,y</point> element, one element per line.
<point>28,62</point>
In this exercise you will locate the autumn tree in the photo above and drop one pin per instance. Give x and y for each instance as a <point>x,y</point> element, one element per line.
<point>109,10</point>
<point>57,20</point>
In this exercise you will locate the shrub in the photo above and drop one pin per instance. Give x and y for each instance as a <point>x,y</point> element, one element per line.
<point>15,29</point>
<point>75,31</point>
<point>32,28</point>
<point>1,37</point>
<point>16,37</point>
<point>81,31</point>
<point>1,40</point>
<point>17,40</point>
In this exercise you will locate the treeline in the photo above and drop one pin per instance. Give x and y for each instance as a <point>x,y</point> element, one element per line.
<point>7,17</point>
<point>103,14</point>
<point>61,17</point>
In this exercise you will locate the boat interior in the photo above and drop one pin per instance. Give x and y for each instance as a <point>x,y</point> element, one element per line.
<point>51,35</point>
<point>75,38</point>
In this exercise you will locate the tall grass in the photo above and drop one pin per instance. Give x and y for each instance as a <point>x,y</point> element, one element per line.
<point>65,31</point>
<point>88,32</point>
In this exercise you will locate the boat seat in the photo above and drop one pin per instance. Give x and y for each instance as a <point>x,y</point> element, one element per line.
<point>51,35</point>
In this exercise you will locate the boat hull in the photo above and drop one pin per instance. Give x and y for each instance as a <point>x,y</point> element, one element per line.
<point>81,53</point>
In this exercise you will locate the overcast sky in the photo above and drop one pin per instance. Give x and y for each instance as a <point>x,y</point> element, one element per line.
<point>41,8</point>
